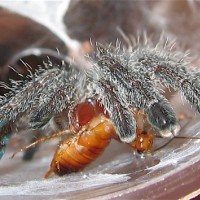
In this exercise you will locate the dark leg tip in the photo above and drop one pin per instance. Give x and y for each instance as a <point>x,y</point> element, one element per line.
<point>161,116</point>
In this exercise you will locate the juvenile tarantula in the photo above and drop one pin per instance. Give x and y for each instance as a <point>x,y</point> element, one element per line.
<point>120,79</point>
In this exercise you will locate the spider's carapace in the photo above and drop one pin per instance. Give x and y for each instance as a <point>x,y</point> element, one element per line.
<point>93,133</point>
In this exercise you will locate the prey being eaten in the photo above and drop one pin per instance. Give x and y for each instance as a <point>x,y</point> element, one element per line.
<point>120,79</point>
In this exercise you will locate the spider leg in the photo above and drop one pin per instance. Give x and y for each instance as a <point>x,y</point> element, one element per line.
<point>64,92</point>
<point>172,72</point>
<point>23,98</point>
<point>180,79</point>
<point>119,113</point>
<point>143,94</point>
<point>136,89</point>
<point>17,103</point>
<point>46,110</point>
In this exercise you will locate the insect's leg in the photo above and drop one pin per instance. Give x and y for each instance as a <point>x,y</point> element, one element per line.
<point>49,172</point>
<point>41,140</point>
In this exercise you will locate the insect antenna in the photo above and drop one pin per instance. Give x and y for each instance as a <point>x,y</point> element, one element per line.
<point>175,137</point>
<point>41,140</point>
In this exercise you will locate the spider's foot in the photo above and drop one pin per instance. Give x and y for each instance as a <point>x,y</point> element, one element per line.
<point>170,133</point>
<point>161,116</point>
<point>128,138</point>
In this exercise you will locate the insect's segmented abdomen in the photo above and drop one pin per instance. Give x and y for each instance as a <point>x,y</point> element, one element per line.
<point>77,152</point>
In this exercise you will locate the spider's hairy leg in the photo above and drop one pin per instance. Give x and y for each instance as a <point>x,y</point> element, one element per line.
<point>120,115</point>
<point>182,80</point>
<point>172,71</point>
<point>161,116</point>
<point>64,92</point>
<point>15,103</point>
<point>136,88</point>
<point>143,94</point>
<point>56,102</point>
<point>46,110</point>
<point>22,98</point>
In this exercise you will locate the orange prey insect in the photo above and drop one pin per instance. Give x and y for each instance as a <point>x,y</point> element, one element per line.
<point>93,132</point>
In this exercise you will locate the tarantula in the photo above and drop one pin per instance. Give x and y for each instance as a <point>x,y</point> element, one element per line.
<point>120,79</point>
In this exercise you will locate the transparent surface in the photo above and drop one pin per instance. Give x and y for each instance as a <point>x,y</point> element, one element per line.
<point>172,171</point>
<point>117,172</point>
